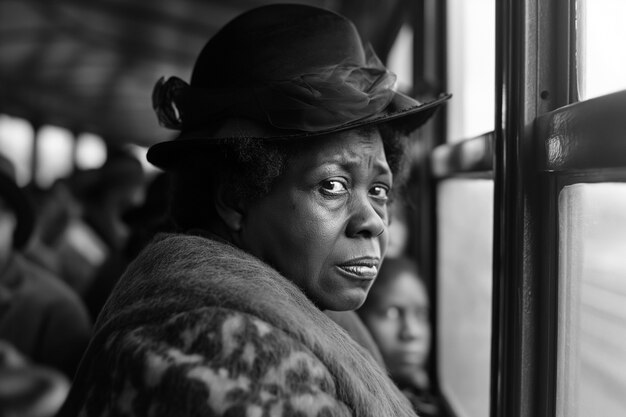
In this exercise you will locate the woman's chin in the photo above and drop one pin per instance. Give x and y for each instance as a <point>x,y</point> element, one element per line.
<point>350,301</point>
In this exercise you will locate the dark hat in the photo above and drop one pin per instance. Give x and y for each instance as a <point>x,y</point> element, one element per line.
<point>16,198</point>
<point>299,71</point>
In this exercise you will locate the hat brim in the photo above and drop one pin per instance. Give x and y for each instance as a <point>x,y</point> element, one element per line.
<point>16,198</point>
<point>403,113</point>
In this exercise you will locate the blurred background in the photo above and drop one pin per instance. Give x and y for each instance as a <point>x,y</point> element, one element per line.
<point>76,80</point>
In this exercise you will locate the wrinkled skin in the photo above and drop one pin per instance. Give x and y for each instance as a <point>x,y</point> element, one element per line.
<point>324,223</point>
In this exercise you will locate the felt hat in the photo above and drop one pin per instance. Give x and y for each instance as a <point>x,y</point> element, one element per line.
<point>299,71</point>
<point>18,201</point>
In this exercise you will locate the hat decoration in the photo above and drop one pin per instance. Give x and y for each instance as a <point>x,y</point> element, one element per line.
<point>297,71</point>
<point>323,98</point>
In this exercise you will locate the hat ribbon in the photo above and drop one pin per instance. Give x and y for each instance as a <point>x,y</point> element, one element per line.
<point>323,98</point>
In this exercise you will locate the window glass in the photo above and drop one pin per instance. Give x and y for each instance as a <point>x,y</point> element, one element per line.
<point>400,59</point>
<point>471,68</point>
<point>55,154</point>
<point>16,143</point>
<point>465,229</point>
<point>91,151</point>
<point>591,372</point>
<point>601,57</point>
<point>140,153</point>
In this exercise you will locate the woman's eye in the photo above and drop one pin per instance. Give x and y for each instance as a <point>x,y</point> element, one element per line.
<point>380,192</point>
<point>333,187</point>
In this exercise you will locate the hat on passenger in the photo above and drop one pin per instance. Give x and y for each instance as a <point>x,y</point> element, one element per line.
<point>16,198</point>
<point>298,71</point>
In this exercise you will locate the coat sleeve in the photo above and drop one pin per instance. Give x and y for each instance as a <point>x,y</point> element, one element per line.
<point>209,362</point>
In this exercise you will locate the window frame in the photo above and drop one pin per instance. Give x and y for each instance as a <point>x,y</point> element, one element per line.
<point>599,127</point>
<point>531,80</point>
<point>535,74</point>
<point>537,88</point>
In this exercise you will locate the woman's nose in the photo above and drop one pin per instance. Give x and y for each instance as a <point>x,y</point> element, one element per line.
<point>366,218</point>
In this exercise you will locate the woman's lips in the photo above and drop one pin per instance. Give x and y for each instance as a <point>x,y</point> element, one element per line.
<point>364,268</point>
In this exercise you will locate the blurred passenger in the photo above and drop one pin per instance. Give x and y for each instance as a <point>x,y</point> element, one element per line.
<point>39,314</point>
<point>144,222</point>
<point>56,209</point>
<point>118,186</point>
<point>85,213</point>
<point>28,389</point>
<point>396,312</point>
<point>62,241</point>
<point>151,217</point>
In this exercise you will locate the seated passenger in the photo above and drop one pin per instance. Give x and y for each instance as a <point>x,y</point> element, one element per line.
<point>115,187</point>
<point>39,314</point>
<point>28,389</point>
<point>396,314</point>
<point>282,173</point>
<point>144,222</point>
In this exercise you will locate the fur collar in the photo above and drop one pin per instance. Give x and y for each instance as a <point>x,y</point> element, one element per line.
<point>179,273</point>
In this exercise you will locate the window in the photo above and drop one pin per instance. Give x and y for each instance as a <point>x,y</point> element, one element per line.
<point>471,68</point>
<point>462,166</point>
<point>592,300</point>
<point>465,293</point>
<point>16,143</point>
<point>602,57</point>
<point>55,154</point>
<point>557,157</point>
<point>399,61</point>
<point>91,151</point>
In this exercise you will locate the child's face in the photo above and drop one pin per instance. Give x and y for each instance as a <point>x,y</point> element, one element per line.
<point>397,317</point>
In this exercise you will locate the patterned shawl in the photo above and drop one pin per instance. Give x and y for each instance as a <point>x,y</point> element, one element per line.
<point>197,327</point>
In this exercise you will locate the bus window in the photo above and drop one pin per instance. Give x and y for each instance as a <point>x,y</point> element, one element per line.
<point>465,229</point>
<point>602,57</point>
<point>591,371</point>
<point>55,150</point>
<point>464,202</point>
<point>471,68</point>
<point>399,61</point>
<point>91,151</point>
<point>16,142</point>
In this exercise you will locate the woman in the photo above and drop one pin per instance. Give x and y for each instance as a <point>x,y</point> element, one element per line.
<point>281,173</point>
<point>396,313</point>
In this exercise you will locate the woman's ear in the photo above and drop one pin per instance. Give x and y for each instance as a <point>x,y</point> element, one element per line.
<point>229,208</point>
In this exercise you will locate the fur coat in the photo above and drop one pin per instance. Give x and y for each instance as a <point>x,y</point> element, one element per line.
<point>197,327</point>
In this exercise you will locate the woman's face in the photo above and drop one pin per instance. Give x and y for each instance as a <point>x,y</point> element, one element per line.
<point>324,223</point>
<point>397,317</point>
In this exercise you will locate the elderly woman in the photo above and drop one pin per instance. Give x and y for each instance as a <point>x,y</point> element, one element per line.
<point>290,140</point>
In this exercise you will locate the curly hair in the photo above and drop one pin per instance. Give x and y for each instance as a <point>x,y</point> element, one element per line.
<point>250,167</point>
